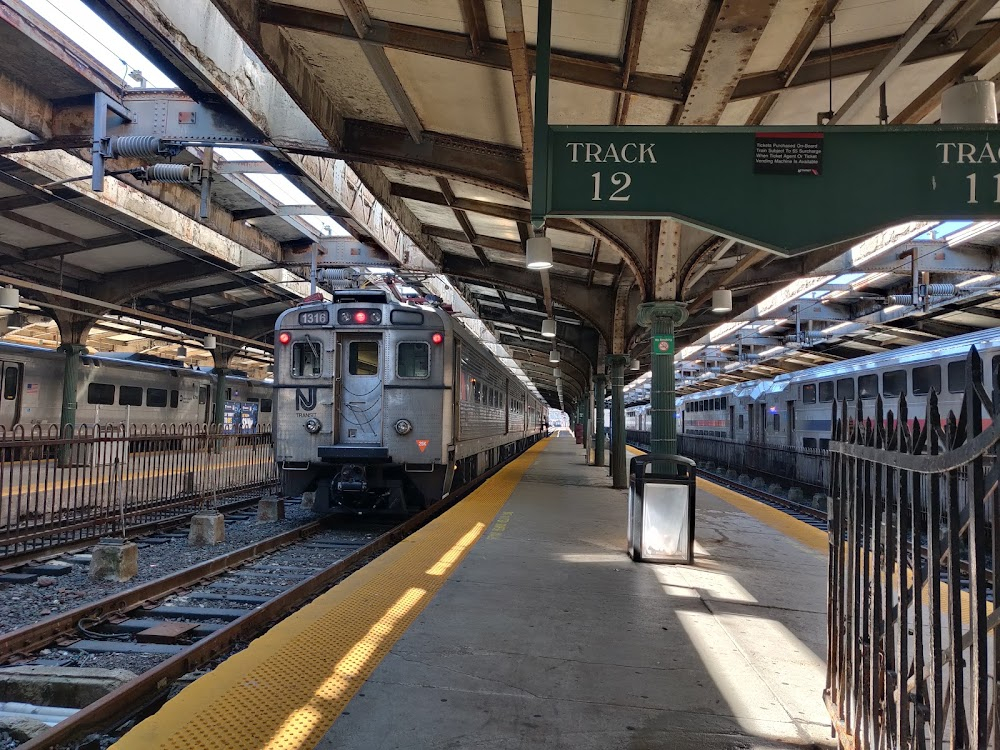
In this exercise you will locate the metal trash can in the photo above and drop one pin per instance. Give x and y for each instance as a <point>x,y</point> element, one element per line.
<point>661,510</point>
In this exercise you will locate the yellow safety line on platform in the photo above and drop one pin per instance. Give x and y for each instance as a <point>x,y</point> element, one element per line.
<point>286,690</point>
<point>791,527</point>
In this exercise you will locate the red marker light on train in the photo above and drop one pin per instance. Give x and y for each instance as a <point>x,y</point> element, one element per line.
<point>360,317</point>
<point>284,337</point>
<point>437,338</point>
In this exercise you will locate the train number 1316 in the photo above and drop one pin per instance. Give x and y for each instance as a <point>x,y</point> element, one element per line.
<point>619,180</point>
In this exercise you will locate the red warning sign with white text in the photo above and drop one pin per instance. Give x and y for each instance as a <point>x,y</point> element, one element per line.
<point>422,445</point>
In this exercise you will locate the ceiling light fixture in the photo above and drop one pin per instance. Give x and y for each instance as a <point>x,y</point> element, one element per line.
<point>722,301</point>
<point>538,253</point>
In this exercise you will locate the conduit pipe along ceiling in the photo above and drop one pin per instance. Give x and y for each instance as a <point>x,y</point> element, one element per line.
<point>538,253</point>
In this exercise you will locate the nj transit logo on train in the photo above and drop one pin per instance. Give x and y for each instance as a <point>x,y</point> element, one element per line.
<point>422,445</point>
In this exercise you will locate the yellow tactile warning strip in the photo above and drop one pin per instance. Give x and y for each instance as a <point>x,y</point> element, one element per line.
<point>793,528</point>
<point>286,690</point>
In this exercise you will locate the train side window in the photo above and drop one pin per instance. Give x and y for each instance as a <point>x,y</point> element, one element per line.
<point>741,421</point>
<point>101,393</point>
<point>845,389</point>
<point>203,394</point>
<point>175,397</point>
<point>824,444</point>
<point>809,393</point>
<point>808,442</point>
<point>156,397</point>
<point>724,400</point>
<point>307,359</point>
<point>129,395</point>
<point>413,360</point>
<point>229,394</point>
<point>777,422</point>
<point>926,379</point>
<point>265,406</point>
<point>826,391</point>
<point>362,358</point>
<point>894,383</point>
<point>477,391</point>
<point>11,383</point>
<point>868,386</point>
<point>956,377</point>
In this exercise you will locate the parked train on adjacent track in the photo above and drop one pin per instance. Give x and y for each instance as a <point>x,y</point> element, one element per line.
<point>795,410</point>
<point>385,406</point>
<point>130,389</point>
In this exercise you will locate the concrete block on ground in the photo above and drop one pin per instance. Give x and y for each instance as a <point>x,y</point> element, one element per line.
<point>795,494</point>
<point>207,529</point>
<point>732,474</point>
<point>819,500</point>
<point>23,730</point>
<point>758,484</point>
<point>308,500</point>
<point>271,508</point>
<point>113,560</point>
<point>744,479</point>
<point>72,687</point>
<point>776,489</point>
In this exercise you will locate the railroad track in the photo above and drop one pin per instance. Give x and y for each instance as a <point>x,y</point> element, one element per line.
<point>218,625</point>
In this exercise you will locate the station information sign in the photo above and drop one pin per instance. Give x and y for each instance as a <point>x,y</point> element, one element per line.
<point>789,190</point>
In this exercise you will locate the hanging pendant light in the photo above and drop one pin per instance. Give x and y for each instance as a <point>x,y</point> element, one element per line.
<point>538,253</point>
<point>554,356</point>
<point>10,297</point>
<point>209,341</point>
<point>557,372</point>
<point>636,364</point>
<point>722,301</point>
<point>182,351</point>
<point>549,328</point>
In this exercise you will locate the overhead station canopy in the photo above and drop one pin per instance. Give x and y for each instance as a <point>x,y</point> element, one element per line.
<point>401,132</point>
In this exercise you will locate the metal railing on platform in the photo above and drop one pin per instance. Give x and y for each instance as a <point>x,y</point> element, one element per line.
<point>913,644</point>
<point>58,487</point>
<point>785,463</point>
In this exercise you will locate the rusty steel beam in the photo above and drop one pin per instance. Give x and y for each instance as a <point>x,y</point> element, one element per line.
<point>751,258</point>
<point>361,20</point>
<point>585,70</point>
<point>633,38</point>
<point>513,18</point>
<point>850,60</point>
<point>929,17</point>
<point>463,220</point>
<point>736,27</point>
<point>476,162</point>
<point>476,24</point>
<point>986,48</point>
<point>819,15</point>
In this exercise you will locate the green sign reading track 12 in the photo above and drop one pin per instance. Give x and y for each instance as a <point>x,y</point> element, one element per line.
<point>789,190</point>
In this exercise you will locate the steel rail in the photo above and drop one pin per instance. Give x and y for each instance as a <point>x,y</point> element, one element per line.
<point>38,635</point>
<point>141,691</point>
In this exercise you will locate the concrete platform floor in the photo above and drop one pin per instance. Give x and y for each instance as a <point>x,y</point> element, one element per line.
<point>547,635</point>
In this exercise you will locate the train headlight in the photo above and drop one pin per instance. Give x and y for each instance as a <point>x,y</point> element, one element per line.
<point>313,425</point>
<point>403,427</point>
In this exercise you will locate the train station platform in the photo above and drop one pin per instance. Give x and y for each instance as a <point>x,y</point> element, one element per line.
<point>516,620</point>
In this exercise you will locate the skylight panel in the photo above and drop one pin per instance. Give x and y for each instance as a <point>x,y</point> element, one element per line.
<point>237,154</point>
<point>325,225</point>
<point>88,30</point>
<point>281,189</point>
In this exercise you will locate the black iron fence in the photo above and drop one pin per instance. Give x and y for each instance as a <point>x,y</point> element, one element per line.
<point>913,643</point>
<point>801,466</point>
<point>58,487</point>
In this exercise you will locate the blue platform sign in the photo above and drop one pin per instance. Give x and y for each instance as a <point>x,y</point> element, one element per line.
<point>239,417</point>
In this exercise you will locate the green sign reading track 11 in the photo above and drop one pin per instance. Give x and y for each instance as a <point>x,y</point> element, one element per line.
<point>786,189</point>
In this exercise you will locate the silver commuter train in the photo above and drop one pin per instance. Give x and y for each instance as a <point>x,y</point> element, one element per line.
<point>113,389</point>
<point>384,406</point>
<point>794,409</point>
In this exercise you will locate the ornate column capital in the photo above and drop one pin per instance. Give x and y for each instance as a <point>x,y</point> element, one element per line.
<point>618,360</point>
<point>668,309</point>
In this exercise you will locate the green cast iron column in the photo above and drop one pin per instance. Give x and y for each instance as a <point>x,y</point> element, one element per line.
<point>661,318</point>
<point>71,380</point>
<point>619,460</point>
<point>599,447</point>
<point>220,395</point>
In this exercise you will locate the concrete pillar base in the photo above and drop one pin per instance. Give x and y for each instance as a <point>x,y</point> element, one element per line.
<point>271,508</point>
<point>207,529</point>
<point>114,560</point>
<point>308,500</point>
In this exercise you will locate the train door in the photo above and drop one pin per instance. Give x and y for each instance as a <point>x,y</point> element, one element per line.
<point>790,425</point>
<point>359,397</point>
<point>11,375</point>
<point>762,423</point>
<point>732,422</point>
